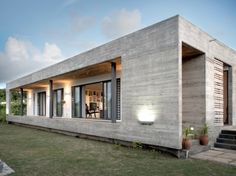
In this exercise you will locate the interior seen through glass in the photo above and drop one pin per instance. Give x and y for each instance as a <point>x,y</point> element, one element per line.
<point>93,100</point>
<point>98,100</point>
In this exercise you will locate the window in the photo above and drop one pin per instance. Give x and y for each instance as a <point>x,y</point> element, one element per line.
<point>107,100</point>
<point>42,103</point>
<point>94,100</point>
<point>58,102</point>
<point>76,102</point>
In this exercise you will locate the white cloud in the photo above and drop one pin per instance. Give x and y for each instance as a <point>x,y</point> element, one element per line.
<point>50,54</point>
<point>80,24</point>
<point>51,51</point>
<point>121,22</point>
<point>17,49</point>
<point>22,57</point>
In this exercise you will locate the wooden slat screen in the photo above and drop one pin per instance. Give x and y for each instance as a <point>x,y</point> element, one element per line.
<point>118,99</point>
<point>218,92</point>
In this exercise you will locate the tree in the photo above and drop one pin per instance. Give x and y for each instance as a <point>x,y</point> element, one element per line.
<point>2,106</point>
<point>2,95</point>
<point>16,102</point>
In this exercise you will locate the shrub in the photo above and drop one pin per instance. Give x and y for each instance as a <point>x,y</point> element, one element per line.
<point>2,113</point>
<point>138,145</point>
<point>16,104</point>
<point>16,108</point>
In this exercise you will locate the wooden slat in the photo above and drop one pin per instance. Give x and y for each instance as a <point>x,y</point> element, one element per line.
<point>218,92</point>
<point>118,99</point>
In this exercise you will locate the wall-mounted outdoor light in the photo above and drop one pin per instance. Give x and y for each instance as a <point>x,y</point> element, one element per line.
<point>146,116</point>
<point>146,122</point>
<point>191,128</point>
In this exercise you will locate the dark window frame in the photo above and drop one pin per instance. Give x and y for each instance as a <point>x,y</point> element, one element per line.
<point>73,101</point>
<point>62,101</point>
<point>81,88</point>
<point>40,103</point>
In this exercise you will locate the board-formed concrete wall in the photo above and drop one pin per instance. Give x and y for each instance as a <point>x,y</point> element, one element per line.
<point>150,87</point>
<point>193,88</point>
<point>213,49</point>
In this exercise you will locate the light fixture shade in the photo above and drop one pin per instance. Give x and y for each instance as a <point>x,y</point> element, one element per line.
<point>146,116</point>
<point>146,122</point>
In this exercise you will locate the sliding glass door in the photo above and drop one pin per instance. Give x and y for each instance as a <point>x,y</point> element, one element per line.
<point>42,103</point>
<point>58,102</point>
<point>94,100</point>
<point>107,100</point>
<point>76,102</point>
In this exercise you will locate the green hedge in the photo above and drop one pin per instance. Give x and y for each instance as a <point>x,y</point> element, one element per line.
<point>15,104</point>
<point>16,108</point>
<point>2,113</point>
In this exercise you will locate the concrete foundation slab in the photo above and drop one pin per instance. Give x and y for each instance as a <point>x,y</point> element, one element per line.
<point>6,170</point>
<point>223,156</point>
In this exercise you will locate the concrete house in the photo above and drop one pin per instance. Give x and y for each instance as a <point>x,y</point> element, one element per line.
<point>143,87</point>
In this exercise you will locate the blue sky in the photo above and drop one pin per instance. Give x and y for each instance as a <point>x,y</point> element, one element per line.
<point>40,33</point>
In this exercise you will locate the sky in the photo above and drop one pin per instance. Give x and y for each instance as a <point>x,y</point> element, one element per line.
<point>37,33</point>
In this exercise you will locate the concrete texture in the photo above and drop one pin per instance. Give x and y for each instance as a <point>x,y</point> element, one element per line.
<point>213,49</point>
<point>218,155</point>
<point>151,80</point>
<point>193,72</point>
<point>93,127</point>
<point>6,170</point>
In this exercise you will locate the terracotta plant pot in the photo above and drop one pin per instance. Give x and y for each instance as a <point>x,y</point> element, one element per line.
<point>186,144</point>
<point>203,140</point>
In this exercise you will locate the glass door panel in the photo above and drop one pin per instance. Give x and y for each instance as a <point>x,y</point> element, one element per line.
<point>107,100</point>
<point>58,102</point>
<point>42,103</point>
<point>77,102</point>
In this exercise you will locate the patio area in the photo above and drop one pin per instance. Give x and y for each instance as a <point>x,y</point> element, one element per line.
<point>223,156</point>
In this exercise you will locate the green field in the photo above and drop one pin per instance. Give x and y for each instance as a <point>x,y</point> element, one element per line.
<point>32,152</point>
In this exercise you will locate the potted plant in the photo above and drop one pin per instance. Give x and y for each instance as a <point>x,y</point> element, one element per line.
<point>203,139</point>
<point>186,142</point>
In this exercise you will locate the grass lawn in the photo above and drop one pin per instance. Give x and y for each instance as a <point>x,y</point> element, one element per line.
<point>32,152</point>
